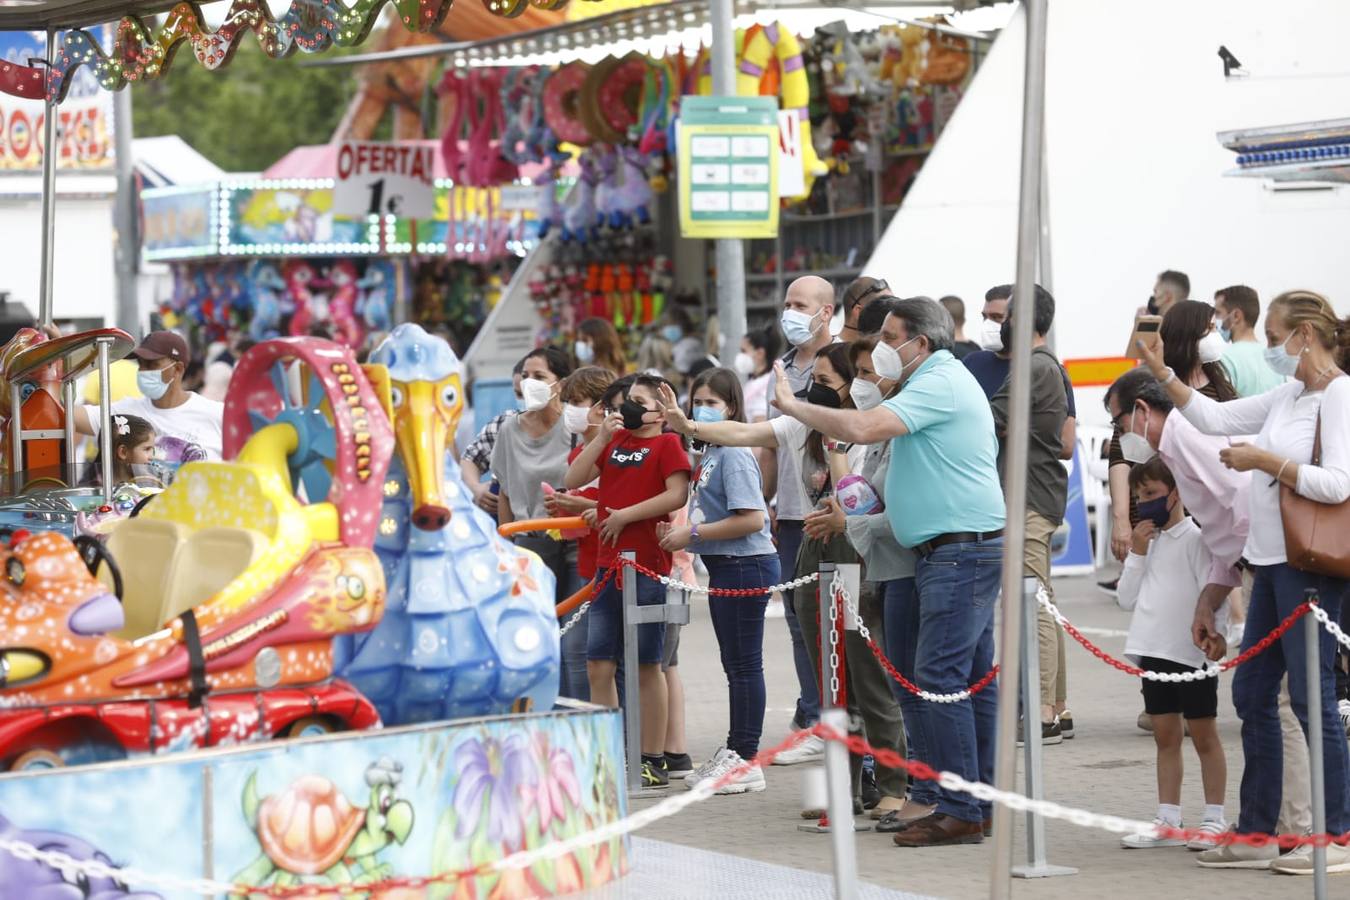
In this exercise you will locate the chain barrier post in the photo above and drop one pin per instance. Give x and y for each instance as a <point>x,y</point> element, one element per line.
<point>633,616</point>
<point>1032,751</point>
<point>838,781</point>
<point>1312,629</point>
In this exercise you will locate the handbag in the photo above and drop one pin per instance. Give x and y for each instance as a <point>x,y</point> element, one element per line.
<point>1315,533</point>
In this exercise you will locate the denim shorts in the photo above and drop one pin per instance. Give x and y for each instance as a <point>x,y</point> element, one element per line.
<point>604,630</point>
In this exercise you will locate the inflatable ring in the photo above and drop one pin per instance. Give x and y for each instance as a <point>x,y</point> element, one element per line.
<point>761,48</point>
<point>618,95</point>
<point>562,94</point>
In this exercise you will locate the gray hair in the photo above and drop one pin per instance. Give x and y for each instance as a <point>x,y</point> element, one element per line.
<point>925,317</point>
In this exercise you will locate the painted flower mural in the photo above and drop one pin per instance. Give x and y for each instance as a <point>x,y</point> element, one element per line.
<point>492,774</point>
<point>557,784</point>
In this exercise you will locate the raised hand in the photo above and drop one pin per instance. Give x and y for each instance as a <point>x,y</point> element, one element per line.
<point>675,417</point>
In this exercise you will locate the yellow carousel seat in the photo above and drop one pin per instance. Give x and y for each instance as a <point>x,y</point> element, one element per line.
<point>224,532</point>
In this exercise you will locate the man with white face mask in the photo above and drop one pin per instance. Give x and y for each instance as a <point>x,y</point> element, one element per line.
<point>1217,498</point>
<point>945,502</point>
<point>163,357</point>
<point>808,308</point>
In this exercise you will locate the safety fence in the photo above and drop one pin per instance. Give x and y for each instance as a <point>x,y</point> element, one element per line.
<point>673,804</point>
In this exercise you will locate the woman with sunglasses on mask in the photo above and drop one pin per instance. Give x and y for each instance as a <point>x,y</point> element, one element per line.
<point>823,463</point>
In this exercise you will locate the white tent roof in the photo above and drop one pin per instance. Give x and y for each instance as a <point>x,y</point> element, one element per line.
<point>1136,95</point>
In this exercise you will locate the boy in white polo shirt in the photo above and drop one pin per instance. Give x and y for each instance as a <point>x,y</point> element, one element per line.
<point>1167,565</point>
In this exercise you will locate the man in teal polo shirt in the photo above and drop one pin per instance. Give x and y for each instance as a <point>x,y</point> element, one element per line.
<point>944,500</point>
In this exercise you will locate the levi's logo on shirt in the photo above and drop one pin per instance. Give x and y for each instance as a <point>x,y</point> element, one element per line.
<point>629,459</point>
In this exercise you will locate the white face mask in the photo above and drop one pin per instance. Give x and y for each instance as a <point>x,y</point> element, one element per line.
<point>991,335</point>
<point>1281,361</point>
<point>1211,347</point>
<point>865,394</point>
<point>576,418</point>
<point>585,352</point>
<point>536,393</point>
<point>1134,447</point>
<point>886,360</point>
<point>744,364</point>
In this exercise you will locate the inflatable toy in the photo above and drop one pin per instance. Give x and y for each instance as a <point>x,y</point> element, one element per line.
<point>268,287</point>
<point>342,305</point>
<point>611,97</point>
<point>469,626</point>
<point>562,95</point>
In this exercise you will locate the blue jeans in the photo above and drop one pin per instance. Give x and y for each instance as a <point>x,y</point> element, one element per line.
<point>901,601</point>
<point>958,590</point>
<point>1276,591</point>
<point>605,631</point>
<point>738,623</point>
<point>808,697</point>
<point>561,558</point>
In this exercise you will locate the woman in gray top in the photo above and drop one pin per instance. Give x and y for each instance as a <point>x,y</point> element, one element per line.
<point>531,451</point>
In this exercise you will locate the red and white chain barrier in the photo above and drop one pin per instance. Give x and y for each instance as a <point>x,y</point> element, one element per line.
<point>1209,671</point>
<point>1332,628</point>
<point>866,635</point>
<point>576,617</point>
<point>675,803</point>
<point>721,592</point>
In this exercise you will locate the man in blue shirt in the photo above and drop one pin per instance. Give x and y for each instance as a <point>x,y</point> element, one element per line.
<point>945,501</point>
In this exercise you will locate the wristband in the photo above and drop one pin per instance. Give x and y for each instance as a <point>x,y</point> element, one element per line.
<point>693,533</point>
<point>1281,471</point>
<point>1171,377</point>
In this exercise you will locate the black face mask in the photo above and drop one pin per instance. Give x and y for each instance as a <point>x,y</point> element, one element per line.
<point>1152,306</point>
<point>632,413</point>
<point>823,395</point>
<point>1005,332</point>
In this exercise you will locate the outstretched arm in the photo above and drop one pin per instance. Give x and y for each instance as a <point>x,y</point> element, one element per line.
<point>849,425</point>
<point>724,434</point>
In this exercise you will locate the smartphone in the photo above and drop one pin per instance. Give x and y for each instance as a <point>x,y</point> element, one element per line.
<point>1146,328</point>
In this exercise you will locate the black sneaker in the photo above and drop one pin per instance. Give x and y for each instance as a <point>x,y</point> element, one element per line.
<point>678,765</point>
<point>871,794</point>
<point>1109,587</point>
<point>1050,734</point>
<point>654,773</point>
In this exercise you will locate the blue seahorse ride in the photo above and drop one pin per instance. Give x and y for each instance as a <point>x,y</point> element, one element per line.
<point>469,626</point>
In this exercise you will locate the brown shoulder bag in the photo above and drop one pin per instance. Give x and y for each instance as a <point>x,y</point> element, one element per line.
<point>1316,535</point>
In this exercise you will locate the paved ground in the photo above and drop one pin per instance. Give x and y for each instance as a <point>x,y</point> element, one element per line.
<point>1108,767</point>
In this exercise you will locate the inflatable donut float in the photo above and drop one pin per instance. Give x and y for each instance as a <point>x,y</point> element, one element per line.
<point>562,103</point>
<point>770,63</point>
<point>618,96</point>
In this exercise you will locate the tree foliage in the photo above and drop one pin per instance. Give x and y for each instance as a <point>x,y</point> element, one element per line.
<point>249,114</point>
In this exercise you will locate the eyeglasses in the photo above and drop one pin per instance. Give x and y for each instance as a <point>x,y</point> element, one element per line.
<point>877,288</point>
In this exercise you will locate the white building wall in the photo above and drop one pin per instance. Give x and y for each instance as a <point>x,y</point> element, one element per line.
<point>83,281</point>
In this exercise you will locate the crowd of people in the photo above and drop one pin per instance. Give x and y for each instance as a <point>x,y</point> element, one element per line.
<point>878,435</point>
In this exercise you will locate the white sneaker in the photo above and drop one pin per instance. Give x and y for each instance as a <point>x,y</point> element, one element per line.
<point>1343,709</point>
<point>1239,856</point>
<point>1300,860</point>
<point>1212,827</point>
<point>809,750</point>
<point>775,609</point>
<point>750,782</point>
<point>1234,636</point>
<point>1146,840</point>
<point>706,768</point>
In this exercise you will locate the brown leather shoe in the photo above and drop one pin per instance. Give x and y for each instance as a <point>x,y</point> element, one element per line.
<point>939,830</point>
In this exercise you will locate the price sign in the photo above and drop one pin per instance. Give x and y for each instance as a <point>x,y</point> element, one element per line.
<point>385,179</point>
<point>729,151</point>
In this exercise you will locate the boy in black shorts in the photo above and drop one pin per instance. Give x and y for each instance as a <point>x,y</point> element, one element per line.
<point>1168,565</point>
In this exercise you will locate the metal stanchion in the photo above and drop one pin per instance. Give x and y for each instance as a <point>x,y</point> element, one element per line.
<point>1036,866</point>
<point>838,782</point>
<point>633,616</point>
<point>1312,630</point>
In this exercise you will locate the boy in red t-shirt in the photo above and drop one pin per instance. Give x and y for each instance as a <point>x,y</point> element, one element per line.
<point>644,476</point>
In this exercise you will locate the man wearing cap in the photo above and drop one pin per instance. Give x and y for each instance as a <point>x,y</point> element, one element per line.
<point>163,356</point>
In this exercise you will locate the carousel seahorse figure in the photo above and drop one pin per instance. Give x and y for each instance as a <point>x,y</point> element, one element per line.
<point>469,626</point>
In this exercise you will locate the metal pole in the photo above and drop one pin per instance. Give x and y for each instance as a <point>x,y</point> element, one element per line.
<point>1312,630</point>
<point>838,782</point>
<point>1036,865</point>
<point>50,152</point>
<point>730,252</point>
<point>68,401</point>
<point>18,465</point>
<point>1028,232</point>
<point>632,710</point>
<point>105,450</point>
<point>126,252</point>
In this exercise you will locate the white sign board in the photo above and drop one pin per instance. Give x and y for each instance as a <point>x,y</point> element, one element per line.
<point>385,179</point>
<point>791,175</point>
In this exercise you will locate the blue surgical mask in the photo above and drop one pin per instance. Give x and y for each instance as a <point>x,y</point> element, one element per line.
<point>1225,332</point>
<point>152,383</point>
<point>1155,510</point>
<point>585,353</point>
<point>1279,360</point>
<point>672,333</point>
<point>708,414</point>
<point>797,327</point>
